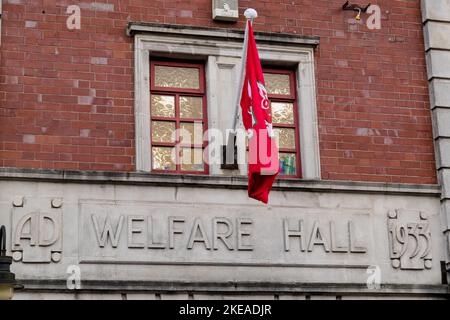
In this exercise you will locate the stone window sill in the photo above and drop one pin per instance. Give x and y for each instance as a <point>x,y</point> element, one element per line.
<point>211,181</point>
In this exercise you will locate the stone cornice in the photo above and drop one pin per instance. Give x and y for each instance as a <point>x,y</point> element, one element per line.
<point>219,33</point>
<point>212,181</point>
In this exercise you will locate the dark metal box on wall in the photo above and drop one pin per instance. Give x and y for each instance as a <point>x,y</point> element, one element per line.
<point>225,10</point>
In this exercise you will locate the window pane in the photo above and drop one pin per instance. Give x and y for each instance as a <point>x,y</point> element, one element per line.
<point>288,163</point>
<point>177,77</point>
<point>163,106</point>
<point>278,83</point>
<point>194,129</point>
<point>191,107</point>
<point>162,158</point>
<point>163,131</point>
<point>282,112</point>
<point>192,159</point>
<point>286,137</point>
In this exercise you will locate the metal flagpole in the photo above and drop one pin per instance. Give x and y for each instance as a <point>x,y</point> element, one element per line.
<point>250,14</point>
<point>230,151</point>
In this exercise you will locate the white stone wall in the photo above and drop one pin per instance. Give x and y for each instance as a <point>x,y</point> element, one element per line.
<point>315,237</point>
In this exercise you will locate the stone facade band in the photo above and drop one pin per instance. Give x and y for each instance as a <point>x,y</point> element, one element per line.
<point>151,237</point>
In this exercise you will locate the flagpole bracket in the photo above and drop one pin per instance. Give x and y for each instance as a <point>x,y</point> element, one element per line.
<point>229,154</point>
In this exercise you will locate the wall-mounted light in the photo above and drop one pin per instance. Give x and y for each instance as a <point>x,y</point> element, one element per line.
<point>356,8</point>
<point>8,282</point>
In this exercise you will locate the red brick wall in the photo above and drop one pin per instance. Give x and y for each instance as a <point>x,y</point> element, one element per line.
<point>66,97</point>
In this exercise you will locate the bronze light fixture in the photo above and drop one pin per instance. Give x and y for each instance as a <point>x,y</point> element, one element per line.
<point>355,7</point>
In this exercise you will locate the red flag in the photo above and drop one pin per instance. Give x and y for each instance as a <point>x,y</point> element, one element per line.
<point>263,160</point>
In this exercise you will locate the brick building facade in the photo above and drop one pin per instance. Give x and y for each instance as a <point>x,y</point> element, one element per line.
<point>78,150</point>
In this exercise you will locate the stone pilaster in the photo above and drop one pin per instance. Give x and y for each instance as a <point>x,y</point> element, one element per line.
<point>436,19</point>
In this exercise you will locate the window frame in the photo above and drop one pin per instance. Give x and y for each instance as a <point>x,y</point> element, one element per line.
<point>221,50</point>
<point>177,93</point>
<point>292,98</point>
<point>178,64</point>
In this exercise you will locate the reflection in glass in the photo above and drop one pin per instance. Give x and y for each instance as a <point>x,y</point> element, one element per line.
<point>191,132</point>
<point>163,131</point>
<point>192,159</point>
<point>177,77</point>
<point>282,112</point>
<point>286,137</point>
<point>162,106</point>
<point>288,164</point>
<point>277,83</point>
<point>191,107</point>
<point>162,158</point>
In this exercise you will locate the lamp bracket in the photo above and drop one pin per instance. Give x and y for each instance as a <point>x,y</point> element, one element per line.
<point>2,241</point>
<point>355,7</point>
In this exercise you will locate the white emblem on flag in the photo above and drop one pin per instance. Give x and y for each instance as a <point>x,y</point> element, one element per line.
<point>265,103</point>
